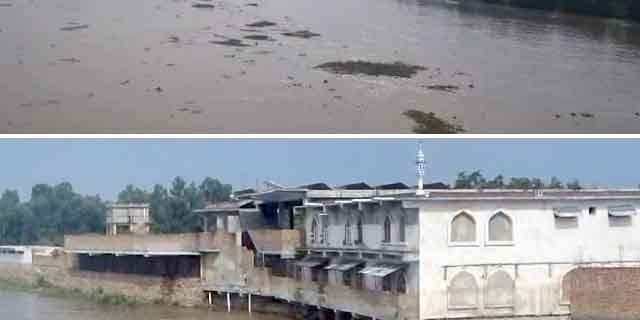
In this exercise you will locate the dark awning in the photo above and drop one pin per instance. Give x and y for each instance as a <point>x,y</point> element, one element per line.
<point>382,269</point>
<point>312,262</point>
<point>344,265</point>
<point>622,210</point>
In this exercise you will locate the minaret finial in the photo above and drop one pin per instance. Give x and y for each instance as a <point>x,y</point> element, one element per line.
<point>420,167</point>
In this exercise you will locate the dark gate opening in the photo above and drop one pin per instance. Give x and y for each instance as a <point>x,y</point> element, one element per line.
<point>165,266</point>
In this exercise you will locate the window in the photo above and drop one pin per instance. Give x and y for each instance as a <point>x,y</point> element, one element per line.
<point>463,228</point>
<point>387,229</point>
<point>402,283</point>
<point>347,232</point>
<point>500,288</point>
<point>500,227</point>
<point>314,231</point>
<point>347,277</point>
<point>359,237</point>
<point>386,283</point>
<point>592,210</point>
<point>621,215</point>
<point>566,217</point>
<point>463,291</point>
<point>401,228</point>
<point>324,235</point>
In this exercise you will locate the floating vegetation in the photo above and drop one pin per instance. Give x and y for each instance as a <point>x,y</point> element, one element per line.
<point>261,24</point>
<point>72,60</point>
<point>261,37</point>
<point>75,27</point>
<point>396,69</point>
<point>231,43</point>
<point>306,34</point>
<point>443,87</point>
<point>203,5</point>
<point>429,123</point>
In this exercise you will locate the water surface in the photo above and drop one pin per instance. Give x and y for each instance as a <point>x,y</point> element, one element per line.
<point>17,305</point>
<point>148,66</point>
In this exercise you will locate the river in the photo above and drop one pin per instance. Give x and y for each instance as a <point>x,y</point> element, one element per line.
<point>16,305</point>
<point>148,66</point>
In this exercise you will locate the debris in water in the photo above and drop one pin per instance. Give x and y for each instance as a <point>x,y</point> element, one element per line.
<point>91,95</point>
<point>443,87</point>
<point>587,115</point>
<point>174,39</point>
<point>262,37</point>
<point>261,24</point>
<point>75,27</point>
<point>325,81</point>
<point>72,60</point>
<point>637,114</point>
<point>306,34</point>
<point>170,64</point>
<point>231,43</point>
<point>262,52</point>
<point>430,123</point>
<point>558,116</point>
<point>396,69</point>
<point>203,6</point>
<point>252,4</point>
<point>125,82</point>
<point>6,5</point>
<point>573,114</point>
<point>158,89</point>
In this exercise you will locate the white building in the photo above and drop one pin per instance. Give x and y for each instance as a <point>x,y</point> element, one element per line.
<point>128,218</point>
<point>473,254</point>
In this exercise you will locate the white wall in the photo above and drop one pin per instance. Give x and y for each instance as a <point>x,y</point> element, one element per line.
<point>538,287</point>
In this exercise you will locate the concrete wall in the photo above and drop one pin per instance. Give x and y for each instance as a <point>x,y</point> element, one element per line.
<point>284,242</point>
<point>536,260</point>
<point>184,292</point>
<point>603,293</point>
<point>184,242</point>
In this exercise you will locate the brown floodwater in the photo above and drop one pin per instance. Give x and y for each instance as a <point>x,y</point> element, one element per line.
<point>165,66</point>
<point>17,305</point>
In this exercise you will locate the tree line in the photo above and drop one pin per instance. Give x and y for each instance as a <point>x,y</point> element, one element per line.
<point>622,9</point>
<point>55,210</point>
<point>475,180</point>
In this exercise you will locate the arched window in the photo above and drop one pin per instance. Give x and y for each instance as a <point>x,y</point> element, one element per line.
<point>314,231</point>
<point>500,227</point>
<point>500,288</point>
<point>463,228</point>
<point>387,229</point>
<point>463,291</point>
<point>347,231</point>
<point>401,228</point>
<point>359,235</point>
<point>324,235</point>
<point>401,286</point>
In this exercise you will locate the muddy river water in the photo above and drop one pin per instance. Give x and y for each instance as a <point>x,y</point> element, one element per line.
<point>122,66</point>
<point>28,306</point>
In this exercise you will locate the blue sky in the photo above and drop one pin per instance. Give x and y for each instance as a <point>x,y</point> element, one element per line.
<point>105,166</point>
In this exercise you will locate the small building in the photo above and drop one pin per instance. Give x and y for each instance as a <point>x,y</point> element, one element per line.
<point>129,218</point>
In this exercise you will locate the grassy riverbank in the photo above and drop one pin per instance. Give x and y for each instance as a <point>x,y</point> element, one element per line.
<point>42,286</point>
<point>621,9</point>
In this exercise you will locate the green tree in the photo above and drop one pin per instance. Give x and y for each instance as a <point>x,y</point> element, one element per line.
<point>214,191</point>
<point>574,185</point>
<point>133,194</point>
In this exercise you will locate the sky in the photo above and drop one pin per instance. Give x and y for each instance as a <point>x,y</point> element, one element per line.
<point>105,167</point>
